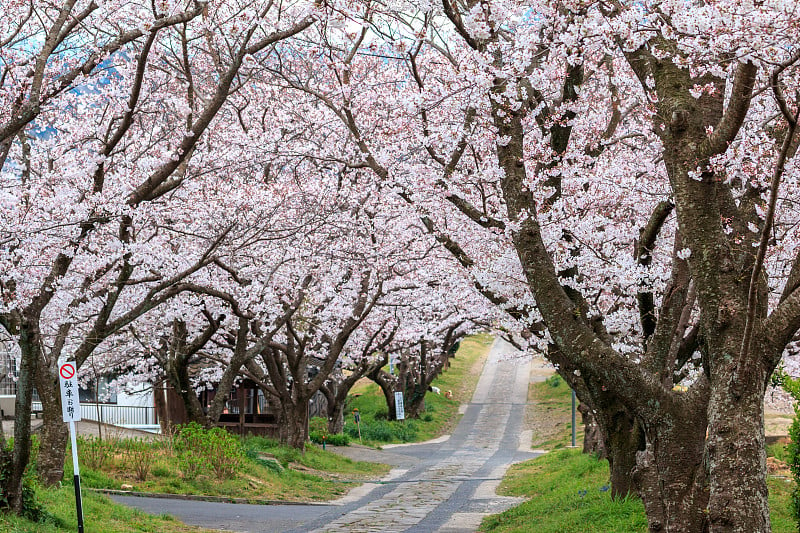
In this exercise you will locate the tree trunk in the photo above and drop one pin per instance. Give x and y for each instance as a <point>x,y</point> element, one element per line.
<point>593,439</point>
<point>54,435</point>
<point>29,346</point>
<point>415,401</point>
<point>671,473</point>
<point>294,423</point>
<point>737,458</point>
<point>335,417</point>
<point>387,384</point>
<point>178,377</point>
<point>623,437</point>
<point>335,408</point>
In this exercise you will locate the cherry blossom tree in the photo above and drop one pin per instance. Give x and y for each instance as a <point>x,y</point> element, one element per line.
<point>87,233</point>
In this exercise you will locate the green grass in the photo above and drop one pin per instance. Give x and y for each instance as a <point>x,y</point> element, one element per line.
<point>270,472</point>
<point>101,515</point>
<point>441,413</point>
<point>556,483</point>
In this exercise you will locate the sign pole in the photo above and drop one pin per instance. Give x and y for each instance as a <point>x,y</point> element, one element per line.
<point>573,418</point>
<point>70,413</point>
<point>357,417</point>
<point>76,477</point>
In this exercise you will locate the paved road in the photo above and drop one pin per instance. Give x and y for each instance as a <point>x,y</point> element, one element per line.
<point>444,486</point>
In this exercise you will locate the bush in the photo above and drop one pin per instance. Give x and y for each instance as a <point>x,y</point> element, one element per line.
<point>792,386</point>
<point>336,439</point>
<point>202,450</point>
<point>94,452</point>
<point>139,456</point>
<point>225,453</point>
<point>554,380</point>
<point>31,508</point>
<point>384,430</point>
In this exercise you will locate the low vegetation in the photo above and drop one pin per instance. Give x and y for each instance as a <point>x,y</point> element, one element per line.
<point>101,515</point>
<point>441,412</point>
<point>216,463</point>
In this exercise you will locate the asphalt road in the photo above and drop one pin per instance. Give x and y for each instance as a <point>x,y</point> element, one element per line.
<point>446,486</point>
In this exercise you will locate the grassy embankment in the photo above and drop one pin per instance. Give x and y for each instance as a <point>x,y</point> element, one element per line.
<point>267,472</point>
<point>441,413</point>
<point>568,491</point>
<point>259,470</point>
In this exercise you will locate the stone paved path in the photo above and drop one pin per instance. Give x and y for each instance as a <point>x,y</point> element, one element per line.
<point>453,484</point>
<point>439,486</point>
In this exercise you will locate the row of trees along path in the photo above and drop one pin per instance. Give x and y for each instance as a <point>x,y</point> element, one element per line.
<point>275,189</point>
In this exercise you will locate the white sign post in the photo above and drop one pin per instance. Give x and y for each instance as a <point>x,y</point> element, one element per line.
<point>71,412</point>
<point>399,408</point>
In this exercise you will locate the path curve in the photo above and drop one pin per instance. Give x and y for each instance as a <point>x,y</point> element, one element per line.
<point>446,486</point>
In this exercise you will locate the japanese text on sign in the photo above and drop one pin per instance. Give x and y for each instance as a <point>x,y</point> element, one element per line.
<point>70,404</point>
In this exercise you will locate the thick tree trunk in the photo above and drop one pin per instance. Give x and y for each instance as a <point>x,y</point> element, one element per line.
<point>178,377</point>
<point>415,401</point>
<point>671,474</point>
<point>12,487</point>
<point>737,459</point>
<point>54,435</point>
<point>623,438</point>
<point>335,417</point>
<point>387,384</point>
<point>335,407</point>
<point>294,424</point>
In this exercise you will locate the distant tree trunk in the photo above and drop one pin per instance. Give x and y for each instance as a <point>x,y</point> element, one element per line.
<point>294,423</point>
<point>388,384</point>
<point>335,407</point>
<point>178,377</point>
<point>593,440</point>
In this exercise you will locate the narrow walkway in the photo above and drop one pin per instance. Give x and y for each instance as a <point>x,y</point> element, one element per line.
<point>443,486</point>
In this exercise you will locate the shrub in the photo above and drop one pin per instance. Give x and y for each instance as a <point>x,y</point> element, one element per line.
<point>225,453</point>
<point>554,380</point>
<point>384,430</point>
<point>335,439</point>
<point>202,450</point>
<point>31,508</point>
<point>139,456</point>
<point>318,423</point>
<point>94,452</point>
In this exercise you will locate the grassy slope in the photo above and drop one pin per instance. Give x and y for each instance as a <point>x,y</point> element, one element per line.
<point>314,476</point>
<point>555,484</point>
<point>441,414</point>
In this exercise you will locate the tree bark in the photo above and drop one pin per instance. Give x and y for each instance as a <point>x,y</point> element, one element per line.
<point>29,342</point>
<point>593,439</point>
<point>54,434</point>
<point>737,458</point>
<point>294,423</point>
